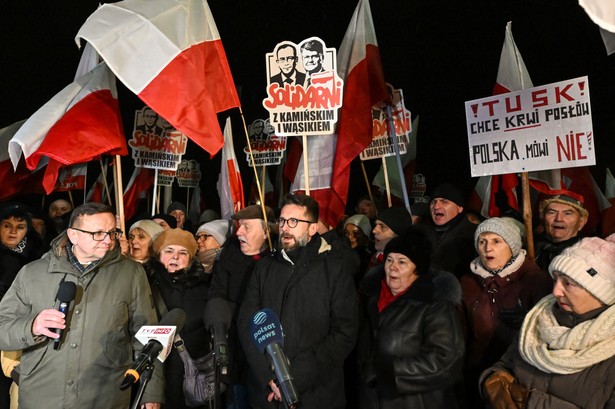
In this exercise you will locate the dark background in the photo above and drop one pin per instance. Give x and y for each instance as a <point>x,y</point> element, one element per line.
<point>441,53</point>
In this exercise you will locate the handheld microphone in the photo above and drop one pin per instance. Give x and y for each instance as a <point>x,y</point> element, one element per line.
<point>158,341</point>
<point>66,294</point>
<point>217,318</point>
<point>268,337</point>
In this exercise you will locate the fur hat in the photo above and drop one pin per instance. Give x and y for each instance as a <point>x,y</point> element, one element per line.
<point>253,212</point>
<point>396,218</point>
<point>217,228</point>
<point>568,198</point>
<point>503,227</point>
<point>149,226</point>
<point>175,237</point>
<point>449,192</point>
<point>171,221</point>
<point>177,206</point>
<point>361,221</point>
<point>591,263</point>
<point>414,245</point>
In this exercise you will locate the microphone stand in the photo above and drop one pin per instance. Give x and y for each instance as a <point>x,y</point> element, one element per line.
<point>145,378</point>
<point>216,385</point>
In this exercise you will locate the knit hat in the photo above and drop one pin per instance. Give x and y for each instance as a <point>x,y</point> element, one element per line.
<point>591,263</point>
<point>208,215</point>
<point>449,192</point>
<point>396,218</point>
<point>171,221</point>
<point>568,198</point>
<point>414,245</point>
<point>253,212</point>
<point>361,221</point>
<point>217,228</point>
<point>149,226</point>
<point>176,206</point>
<point>503,227</point>
<point>175,237</point>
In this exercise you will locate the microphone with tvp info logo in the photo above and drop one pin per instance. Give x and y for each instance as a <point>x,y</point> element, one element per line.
<point>268,337</point>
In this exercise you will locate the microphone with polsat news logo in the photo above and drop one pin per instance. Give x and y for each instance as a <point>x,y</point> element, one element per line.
<point>268,337</point>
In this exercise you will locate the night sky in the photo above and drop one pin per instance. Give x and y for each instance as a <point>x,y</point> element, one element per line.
<point>441,53</point>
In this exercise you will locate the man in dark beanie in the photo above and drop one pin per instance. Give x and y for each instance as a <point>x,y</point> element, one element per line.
<point>390,223</point>
<point>449,231</point>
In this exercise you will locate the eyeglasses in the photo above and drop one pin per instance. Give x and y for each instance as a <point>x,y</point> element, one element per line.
<point>101,235</point>
<point>292,222</point>
<point>203,237</point>
<point>284,59</point>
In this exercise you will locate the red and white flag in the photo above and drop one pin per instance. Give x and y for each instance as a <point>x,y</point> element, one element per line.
<point>72,178</point>
<point>359,65</point>
<point>230,185</point>
<point>78,124</point>
<point>98,191</point>
<point>169,53</point>
<point>141,180</point>
<point>512,76</point>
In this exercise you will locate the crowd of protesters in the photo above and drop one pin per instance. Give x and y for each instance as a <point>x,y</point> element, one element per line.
<point>426,307</point>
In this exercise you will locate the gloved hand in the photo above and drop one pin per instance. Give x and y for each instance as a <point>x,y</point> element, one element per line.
<point>503,393</point>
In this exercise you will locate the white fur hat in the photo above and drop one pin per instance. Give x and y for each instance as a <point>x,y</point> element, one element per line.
<point>591,263</point>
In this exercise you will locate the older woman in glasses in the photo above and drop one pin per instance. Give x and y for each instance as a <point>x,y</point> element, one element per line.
<point>178,280</point>
<point>210,238</point>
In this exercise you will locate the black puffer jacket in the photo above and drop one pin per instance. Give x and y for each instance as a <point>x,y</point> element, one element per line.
<point>186,290</point>
<point>417,347</point>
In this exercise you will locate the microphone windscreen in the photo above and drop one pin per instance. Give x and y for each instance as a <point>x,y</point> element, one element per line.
<point>66,291</point>
<point>216,311</point>
<point>266,329</point>
<point>176,317</point>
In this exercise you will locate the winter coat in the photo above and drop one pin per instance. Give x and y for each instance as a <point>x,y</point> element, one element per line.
<point>452,244</point>
<point>113,301</point>
<point>315,300</point>
<point>590,388</point>
<point>546,249</point>
<point>417,343</point>
<point>186,290</point>
<point>11,262</point>
<point>515,290</point>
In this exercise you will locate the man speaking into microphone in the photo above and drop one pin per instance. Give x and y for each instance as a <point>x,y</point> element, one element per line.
<point>96,324</point>
<point>305,283</point>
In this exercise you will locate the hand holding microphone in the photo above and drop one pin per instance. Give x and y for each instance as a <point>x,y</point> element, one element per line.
<point>51,322</point>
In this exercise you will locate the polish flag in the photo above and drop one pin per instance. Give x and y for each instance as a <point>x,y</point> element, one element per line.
<point>359,65</point>
<point>169,53</point>
<point>141,180</point>
<point>78,124</point>
<point>512,76</point>
<point>72,178</point>
<point>230,186</point>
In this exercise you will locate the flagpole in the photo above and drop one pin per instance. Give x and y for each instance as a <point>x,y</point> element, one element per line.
<point>369,188</point>
<point>386,180</point>
<point>400,168</point>
<point>105,183</point>
<point>306,174</point>
<point>119,201</point>
<point>70,196</point>
<point>258,183</point>
<point>187,201</point>
<point>85,183</point>
<point>527,214</point>
<point>263,182</point>
<point>156,193</point>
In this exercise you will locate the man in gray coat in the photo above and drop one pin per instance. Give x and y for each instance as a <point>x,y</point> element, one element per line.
<point>112,302</point>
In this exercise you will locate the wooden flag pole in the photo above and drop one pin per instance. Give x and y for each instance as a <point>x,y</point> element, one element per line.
<point>105,183</point>
<point>70,196</point>
<point>369,188</point>
<point>156,192</point>
<point>264,181</point>
<point>386,181</point>
<point>119,188</point>
<point>187,201</point>
<point>527,214</point>
<point>306,174</point>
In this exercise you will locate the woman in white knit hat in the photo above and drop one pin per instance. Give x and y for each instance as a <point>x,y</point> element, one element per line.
<point>141,238</point>
<point>210,238</point>
<point>502,284</point>
<point>565,354</point>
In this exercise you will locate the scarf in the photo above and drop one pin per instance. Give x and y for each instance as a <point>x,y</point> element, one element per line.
<point>553,348</point>
<point>510,267</point>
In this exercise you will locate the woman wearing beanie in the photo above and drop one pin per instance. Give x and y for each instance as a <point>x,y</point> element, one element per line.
<point>141,237</point>
<point>564,356</point>
<point>414,356</point>
<point>210,238</point>
<point>357,230</point>
<point>178,280</point>
<point>502,285</point>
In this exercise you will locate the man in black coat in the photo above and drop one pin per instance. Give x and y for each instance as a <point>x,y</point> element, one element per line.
<point>308,287</point>
<point>286,57</point>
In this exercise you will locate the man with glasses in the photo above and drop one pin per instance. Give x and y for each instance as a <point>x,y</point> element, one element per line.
<point>286,57</point>
<point>310,289</point>
<point>150,123</point>
<point>112,302</point>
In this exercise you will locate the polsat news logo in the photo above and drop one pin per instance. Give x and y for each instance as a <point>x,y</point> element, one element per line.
<point>158,331</point>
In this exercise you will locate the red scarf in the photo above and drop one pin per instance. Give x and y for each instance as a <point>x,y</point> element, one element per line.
<point>386,296</point>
